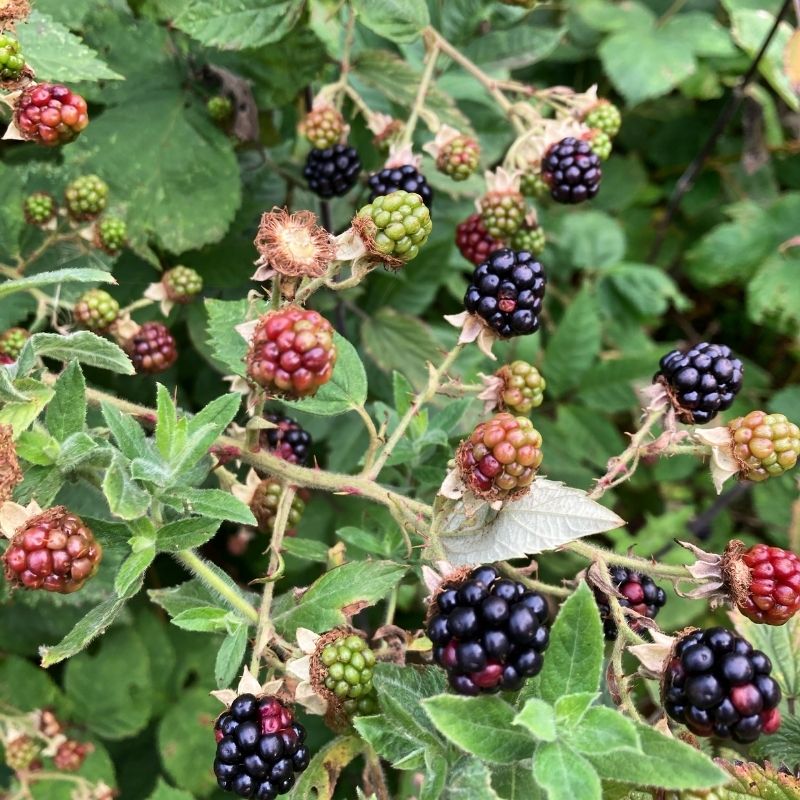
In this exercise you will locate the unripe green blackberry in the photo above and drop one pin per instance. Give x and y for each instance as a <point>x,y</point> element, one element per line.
<point>530,238</point>
<point>459,158</point>
<point>96,310</point>
<point>343,665</point>
<point>765,445</point>
<point>502,212</point>
<point>39,208</point>
<point>400,224</point>
<point>182,284</point>
<point>605,117</point>
<point>323,127</point>
<point>22,754</point>
<point>12,341</point>
<point>600,142</point>
<point>11,61</point>
<point>523,386</point>
<point>110,234</point>
<point>264,506</point>
<point>219,108</point>
<point>533,185</point>
<point>86,197</point>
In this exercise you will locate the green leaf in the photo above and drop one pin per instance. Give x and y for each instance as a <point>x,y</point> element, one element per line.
<point>481,726</point>
<point>52,278</point>
<point>132,570</point>
<point>86,347</point>
<point>575,655</point>
<point>565,774</point>
<point>227,344</point>
<point>664,762</point>
<point>186,533</point>
<point>193,594</point>
<point>515,47</point>
<point>88,628</point>
<point>571,708</point>
<point>396,20</point>
<point>37,447</point>
<point>207,619</point>
<point>602,730</point>
<point>185,461</point>
<point>343,590</point>
<point>640,290</point>
<point>347,388</point>
<point>773,295</point>
<point>306,549</point>
<point>703,33</point>
<point>20,414</point>
<point>218,414</point>
<point>574,346</point>
<point>166,423</point>
<point>127,433</point>
<point>392,742</point>
<point>164,791</point>
<point>212,503</point>
<point>644,63</point>
<point>230,656</point>
<point>318,780</point>
<point>592,240</point>
<point>66,412</point>
<point>539,718</point>
<point>238,24</point>
<point>470,780</point>
<point>79,449</point>
<point>126,499</point>
<point>56,54</point>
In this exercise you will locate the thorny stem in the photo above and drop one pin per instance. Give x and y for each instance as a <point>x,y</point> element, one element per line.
<point>421,399</point>
<point>594,553</point>
<point>264,629</point>
<point>374,438</point>
<point>422,91</point>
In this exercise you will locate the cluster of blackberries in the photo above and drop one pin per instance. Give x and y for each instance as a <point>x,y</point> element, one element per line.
<point>259,748</point>
<point>332,172</point>
<point>572,171</point>
<point>702,380</point>
<point>489,633</point>
<point>408,178</point>
<point>506,291</point>
<point>718,685</point>
<point>639,592</point>
<point>288,440</point>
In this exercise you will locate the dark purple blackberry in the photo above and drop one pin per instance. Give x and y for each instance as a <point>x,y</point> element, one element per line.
<point>717,685</point>
<point>288,440</point>
<point>489,633</point>
<point>572,171</point>
<point>639,592</point>
<point>506,291</point>
<point>260,748</point>
<point>332,172</point>
<point>407,177</point>
<point>701,381</point>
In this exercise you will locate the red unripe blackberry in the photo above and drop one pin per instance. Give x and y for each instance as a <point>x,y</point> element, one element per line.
<point>54,551</point>
<point>639,592</point>
<point>488,632</point>
<point>459,158</point>
<point>572,171</point>
<point>717,685</point>
<point>773,595</point>
<point>474,241</point>
<point>152,348</point>
<point>71,755</point>
<point>500,458</point>
<point>292,352</point>
<point>701,381</point>
<point>260,748</point>
<point>288,440</point>
<point>50,114</point>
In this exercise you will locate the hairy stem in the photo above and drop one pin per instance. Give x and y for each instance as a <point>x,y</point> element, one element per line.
<point>422,91</point>
<point>594,553</point>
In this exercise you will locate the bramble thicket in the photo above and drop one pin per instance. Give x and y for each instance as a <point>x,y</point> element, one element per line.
<point>398,399</point>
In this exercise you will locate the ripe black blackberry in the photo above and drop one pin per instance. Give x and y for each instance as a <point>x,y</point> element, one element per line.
<point>572,171</point>
<point>506,291</point>
<point>639,592</point>
<point>260,748</point>
<point>717,685</point>
<point>332,172</point>
<point>488,632</point>
<point>288,440</point>
<point>407,177</point>
<point>701,381</point>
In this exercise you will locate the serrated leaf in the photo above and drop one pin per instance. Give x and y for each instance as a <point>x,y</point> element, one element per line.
<point>550,515</point>
<point>219,413</point>
<point>539,717</point>
<point>565,774</point>
<point>391,742</point>
<point>164,791</point>
<point>207,619</point>
<point>514,48</point>
<point>469,779</point>
<point>66,412</point>
<point>592,240</point>
<point>227,344</point>
<point>212,503</point>
<point>37,447</point>
<point>395,20</point>
<point>318,781</point>
<point>57,276</point>
<point>230,656</point>
<point>126,499</point>
<point>127,433</point>
<point>773,294</point>
<point>57,54</point>
<point>80,449</point>
<point>482,726</point>
<point>86,347</point>
<point>132,570</point>
<point>602,730</point>
<point>19,415</point>
<point>571,708</point>
<point>166,422</point>
<point>186,533</point>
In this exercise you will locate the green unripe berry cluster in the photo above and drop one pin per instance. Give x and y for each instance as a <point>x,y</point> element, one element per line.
<point>533,185</point>
<point>402,224</point>
<point>502,213</point>
<point>604,117</point>
<point>183,284</point>
<point>531,239</point>
<point>12,341</point>
<point>11,61</point>
<point>264,506</point>
<point>459,158</point>
<point>39,208</point>
<point>601,144</point>
<point>111,234</point>
<point>86,197</point>
<point>96,310</point>
<point>219,108</point>
<point>523,386</point>
<point>350,664</point>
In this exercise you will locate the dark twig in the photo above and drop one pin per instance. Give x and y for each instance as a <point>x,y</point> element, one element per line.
<point>700,526</point>
<point>686,181</point>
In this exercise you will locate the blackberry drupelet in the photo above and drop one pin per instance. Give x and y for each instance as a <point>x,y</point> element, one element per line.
<point>489,633</point>
<point>639,592</point>
<point>507,291</point>
<point>332,172</point>
<point>717,685</point>
<point>572,171</point>
<point>702,381</point>
<point>407,177</point>
<point>288,440</point>
<point>260,748</point>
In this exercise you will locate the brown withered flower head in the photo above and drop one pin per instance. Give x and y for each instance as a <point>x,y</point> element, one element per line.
<point>292,245</point>
<point>13,11</point>
<point>10,473</point>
